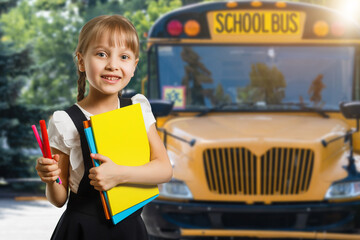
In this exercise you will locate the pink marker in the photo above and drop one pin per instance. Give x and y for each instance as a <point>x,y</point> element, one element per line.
<point>38,138</point>
<point>45,149</point>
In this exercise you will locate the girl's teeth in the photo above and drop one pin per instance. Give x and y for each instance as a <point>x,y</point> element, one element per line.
<point>112,78</point>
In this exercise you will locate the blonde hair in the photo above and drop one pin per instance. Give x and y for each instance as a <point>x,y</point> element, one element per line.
<point>119,29</point>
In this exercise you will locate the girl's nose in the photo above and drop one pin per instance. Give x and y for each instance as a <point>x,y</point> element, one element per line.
<point>112,65</point>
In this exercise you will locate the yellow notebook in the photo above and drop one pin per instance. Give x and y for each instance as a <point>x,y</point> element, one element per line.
<point>121,136</point>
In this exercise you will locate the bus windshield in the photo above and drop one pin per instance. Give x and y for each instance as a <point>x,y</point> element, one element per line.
<point>255,77</point>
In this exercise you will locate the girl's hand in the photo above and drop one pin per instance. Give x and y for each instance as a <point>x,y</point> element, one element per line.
<point>48,169</point>
<point>107,175</point>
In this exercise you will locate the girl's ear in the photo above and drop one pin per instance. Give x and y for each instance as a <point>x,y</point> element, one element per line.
<point>136,62</point>
<point>81,64</point>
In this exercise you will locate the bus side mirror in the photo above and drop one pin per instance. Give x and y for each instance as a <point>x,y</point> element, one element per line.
<point>161,108</point>
<point>351,110</point>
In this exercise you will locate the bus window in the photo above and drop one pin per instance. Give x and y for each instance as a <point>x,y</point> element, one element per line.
<point>272,77</point>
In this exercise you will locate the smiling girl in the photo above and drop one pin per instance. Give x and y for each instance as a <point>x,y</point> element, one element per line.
<point>107,55</point>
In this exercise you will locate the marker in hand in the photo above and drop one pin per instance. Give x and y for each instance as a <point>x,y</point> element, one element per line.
<point>44,145</point>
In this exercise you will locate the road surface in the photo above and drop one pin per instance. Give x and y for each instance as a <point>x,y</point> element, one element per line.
<point>28,220</point>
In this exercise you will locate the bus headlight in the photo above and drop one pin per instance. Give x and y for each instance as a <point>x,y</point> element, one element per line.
<point>343,190</point>
<point>175,189</point>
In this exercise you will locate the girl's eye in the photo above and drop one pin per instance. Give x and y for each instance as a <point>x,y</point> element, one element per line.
<point>101,54</point>
<point>124,57</point>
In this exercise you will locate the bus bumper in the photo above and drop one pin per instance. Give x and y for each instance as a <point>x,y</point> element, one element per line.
<point>172,220</point>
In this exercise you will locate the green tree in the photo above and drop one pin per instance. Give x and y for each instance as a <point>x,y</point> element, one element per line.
<point>18,25</point>
<point>220,96</point>
<point>16,117</point>
<point>55,73</point>
<point>50,30</point>
<point>196,74</point>
<point>267,82</point>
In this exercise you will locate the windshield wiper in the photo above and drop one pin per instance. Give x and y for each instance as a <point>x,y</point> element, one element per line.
<point>310,109</point>
<point>208,110</point>
<point>303,107</point>
<point>317,110</point>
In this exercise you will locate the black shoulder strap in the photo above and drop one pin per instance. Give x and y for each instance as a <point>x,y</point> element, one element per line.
<point>78,117</point>
<point>125,102</point>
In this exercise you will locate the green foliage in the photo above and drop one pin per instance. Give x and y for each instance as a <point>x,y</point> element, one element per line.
<point>49,5</point>
<point>18,25</point>
<point>52,36</point>
<point>220,96</point>
<point>269,83</point>
<point>97,8</point>
<point>16,117</point>
<point>55,72</point>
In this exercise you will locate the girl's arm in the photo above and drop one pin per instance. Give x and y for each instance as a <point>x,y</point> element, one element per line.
<point>49,170</point>
<point>158,170</point>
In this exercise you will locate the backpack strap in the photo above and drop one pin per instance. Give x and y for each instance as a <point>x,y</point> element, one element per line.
<point>77,116</point>
<point>125,102</point>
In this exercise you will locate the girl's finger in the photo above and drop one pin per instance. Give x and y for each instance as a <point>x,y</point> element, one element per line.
<point>56,157</point>
<point>94,183</point>
<point>52,173</point>
<point>99,157</point>
<point>46,161</point>
<point>92,176</point>
<point>48,168</point>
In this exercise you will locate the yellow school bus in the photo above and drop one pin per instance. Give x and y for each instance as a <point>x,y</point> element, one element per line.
<point>262,133</point>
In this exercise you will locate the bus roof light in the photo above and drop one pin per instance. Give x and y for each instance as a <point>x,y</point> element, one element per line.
<point>256,4</point>
<point>280,4</point>
<point>174,28</point>
<point>321,28</point>
<point>231,4</point>
<point>192,28</point>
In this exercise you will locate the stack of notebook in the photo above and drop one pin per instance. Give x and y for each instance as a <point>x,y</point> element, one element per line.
<point>121,136</point>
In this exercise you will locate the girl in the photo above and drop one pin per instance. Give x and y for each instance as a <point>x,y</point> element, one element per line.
<point>107,55</point>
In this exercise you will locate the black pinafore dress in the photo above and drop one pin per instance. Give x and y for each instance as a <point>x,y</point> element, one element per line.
<point>84,217</point>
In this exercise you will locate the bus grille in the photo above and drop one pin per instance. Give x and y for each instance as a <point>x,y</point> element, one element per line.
<point>280,171</point>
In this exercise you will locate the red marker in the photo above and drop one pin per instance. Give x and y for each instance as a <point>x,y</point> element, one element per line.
<point>46,145</point>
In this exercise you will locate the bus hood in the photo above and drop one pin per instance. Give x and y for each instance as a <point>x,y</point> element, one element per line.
<point>259,147</point>
<point>257,127</point>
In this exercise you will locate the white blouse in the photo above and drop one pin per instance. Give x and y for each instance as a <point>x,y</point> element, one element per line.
<point>64,136</point>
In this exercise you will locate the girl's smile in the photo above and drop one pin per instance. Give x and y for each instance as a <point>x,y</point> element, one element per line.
<point>112,79</point>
